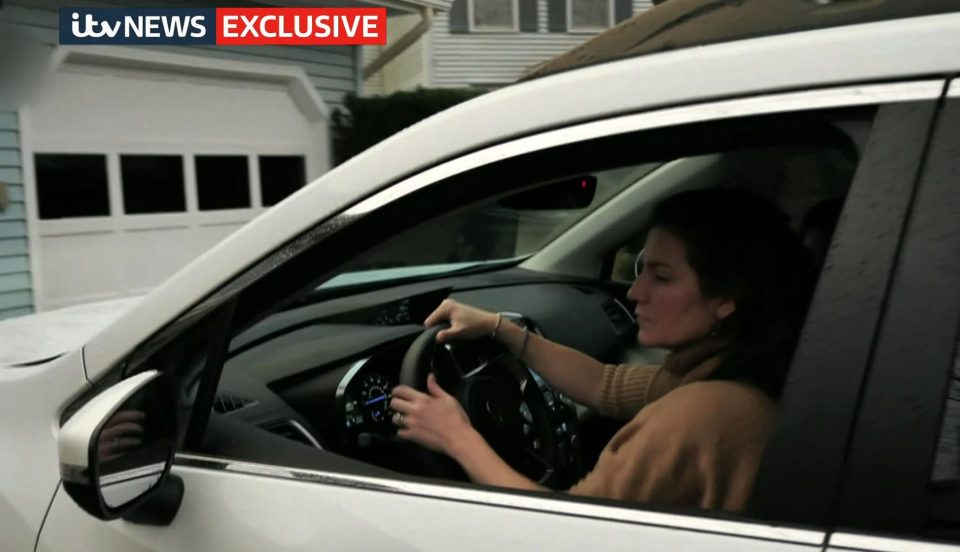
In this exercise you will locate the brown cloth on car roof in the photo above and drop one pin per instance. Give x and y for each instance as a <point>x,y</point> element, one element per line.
<point>693,443</point>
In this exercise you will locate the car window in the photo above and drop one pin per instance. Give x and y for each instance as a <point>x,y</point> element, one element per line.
<point>497,229</point>
<point>807,182</point>
<point>330,353</point>
<point>945,475</point>
<point>191,361</point>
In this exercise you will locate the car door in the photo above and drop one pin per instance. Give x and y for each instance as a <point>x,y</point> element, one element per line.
<point>279,502</point>
<point>901,488</point>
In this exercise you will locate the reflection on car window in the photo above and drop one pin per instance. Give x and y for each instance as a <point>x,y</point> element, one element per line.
<point>945,476</point>
<point>946,467</point>
<point>807,181</point>
<point>481,233</point>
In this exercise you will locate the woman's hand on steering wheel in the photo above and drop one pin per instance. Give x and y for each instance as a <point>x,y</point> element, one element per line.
<point>466,322</point>
<point>433,419</point>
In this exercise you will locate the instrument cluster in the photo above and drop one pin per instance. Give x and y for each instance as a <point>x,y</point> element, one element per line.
<point>366,400</point>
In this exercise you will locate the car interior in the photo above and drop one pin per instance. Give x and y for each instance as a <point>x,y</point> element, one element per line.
<point>304,376</point>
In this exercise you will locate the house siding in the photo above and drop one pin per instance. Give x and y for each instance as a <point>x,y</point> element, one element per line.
<point>374,85</point>
<point>331,69</point>
<point>406,71</point>
<point>16,294</point>
<point>497,59</point>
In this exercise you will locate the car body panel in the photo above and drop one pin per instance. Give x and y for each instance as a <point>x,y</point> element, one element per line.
<point>346,517</point>
<point>30,404</point>
<point>42,336</point>
<point>873,52</point>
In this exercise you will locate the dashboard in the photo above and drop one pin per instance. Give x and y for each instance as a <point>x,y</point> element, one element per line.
<point>321,373</point>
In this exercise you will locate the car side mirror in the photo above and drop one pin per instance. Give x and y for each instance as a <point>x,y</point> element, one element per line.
<point>116,451</point>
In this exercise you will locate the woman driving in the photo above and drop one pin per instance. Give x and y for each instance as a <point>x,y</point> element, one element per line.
<point>723,284</point>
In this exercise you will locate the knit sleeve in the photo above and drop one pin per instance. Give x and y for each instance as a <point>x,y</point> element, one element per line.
<point>624,390</point>
<point>700,446</point>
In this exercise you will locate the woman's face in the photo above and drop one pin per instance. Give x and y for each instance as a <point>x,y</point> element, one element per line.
<point>670,309</point>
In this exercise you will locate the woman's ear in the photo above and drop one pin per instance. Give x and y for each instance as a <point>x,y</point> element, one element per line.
<point>726,308</point>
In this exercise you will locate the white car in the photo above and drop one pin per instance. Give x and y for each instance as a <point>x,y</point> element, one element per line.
<point>258,373</point>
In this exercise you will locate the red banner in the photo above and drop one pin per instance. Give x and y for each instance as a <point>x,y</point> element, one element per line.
<point>301,26</point>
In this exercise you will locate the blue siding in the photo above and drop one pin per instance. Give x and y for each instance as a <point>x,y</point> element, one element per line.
<point>15,301</point>
<point>331,69</point>
<point>16,295</point>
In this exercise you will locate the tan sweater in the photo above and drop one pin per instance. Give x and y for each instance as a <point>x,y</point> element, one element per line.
<point>690,443</point>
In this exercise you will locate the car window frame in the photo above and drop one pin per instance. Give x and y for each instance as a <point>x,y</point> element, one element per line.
<point>785,103</point>
<point>893,448</point>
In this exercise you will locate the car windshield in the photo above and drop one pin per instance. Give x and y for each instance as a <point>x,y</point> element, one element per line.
<point>386,274</point>
<point>494,233</point>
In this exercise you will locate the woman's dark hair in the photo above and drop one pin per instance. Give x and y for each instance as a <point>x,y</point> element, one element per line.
<point>741,246</point>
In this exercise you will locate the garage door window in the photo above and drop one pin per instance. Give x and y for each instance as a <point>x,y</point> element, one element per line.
<point>280,176</point>
<point>152,184</point>
<point>71,185</point>
<point>223,182</point>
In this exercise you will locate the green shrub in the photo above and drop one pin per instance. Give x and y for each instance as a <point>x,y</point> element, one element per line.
<point>366,121</point>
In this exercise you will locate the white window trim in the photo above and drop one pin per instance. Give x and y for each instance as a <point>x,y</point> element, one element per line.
<point>611,19</point>
<point>515,28</point>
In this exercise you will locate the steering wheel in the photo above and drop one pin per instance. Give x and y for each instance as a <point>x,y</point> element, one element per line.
<point>499,395</point>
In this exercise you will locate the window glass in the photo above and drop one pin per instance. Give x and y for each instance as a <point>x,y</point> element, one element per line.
<point>946,468</point>
<point>807,182</point>
<point>152,184</point>
<point>280,176</point>
<point>589,14</point>
<point>944,519</point>
<point>71,185</point>
<point>223,182</point>
<point>493,14</point>
<point>494,230</point>
<point>186,359</point>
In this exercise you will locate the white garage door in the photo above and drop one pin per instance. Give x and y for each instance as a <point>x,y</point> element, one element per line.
<point>137,162</point>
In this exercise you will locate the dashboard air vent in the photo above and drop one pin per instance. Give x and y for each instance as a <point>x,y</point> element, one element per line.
<point>620,318</point>
<point>228,402</point>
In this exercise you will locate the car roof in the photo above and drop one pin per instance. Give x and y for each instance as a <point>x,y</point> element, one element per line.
<point>678,24</point>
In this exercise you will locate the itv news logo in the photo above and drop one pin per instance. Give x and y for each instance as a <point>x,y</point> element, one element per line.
<point>224,26</point>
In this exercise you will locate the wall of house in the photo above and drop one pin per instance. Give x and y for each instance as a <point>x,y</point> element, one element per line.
<point>16,297</point>
<point>374,85</point>
<point>497,59</point>
<point>404,72</point>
